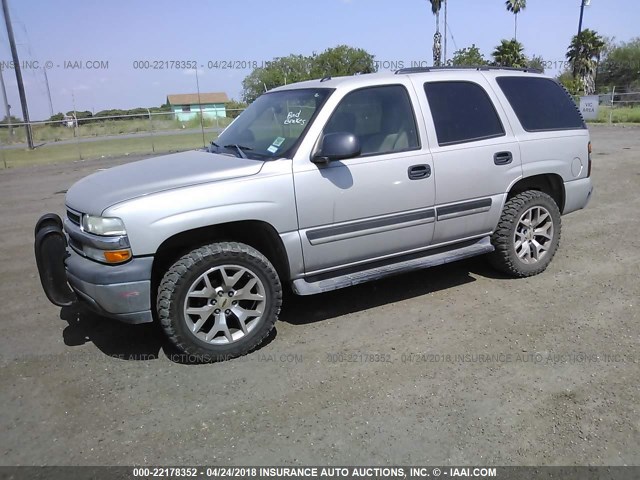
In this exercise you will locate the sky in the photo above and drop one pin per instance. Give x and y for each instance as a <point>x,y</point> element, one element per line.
<point>112,41</point>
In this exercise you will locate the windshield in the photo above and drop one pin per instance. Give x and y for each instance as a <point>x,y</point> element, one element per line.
<point>272,126</point>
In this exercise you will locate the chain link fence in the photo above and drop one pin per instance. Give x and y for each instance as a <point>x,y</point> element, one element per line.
<point>162,132</point>
<point>617,107</point>
<point>620,107</point>
<point>97,137</point>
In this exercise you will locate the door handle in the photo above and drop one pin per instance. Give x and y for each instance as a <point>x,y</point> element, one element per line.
<point>416,172</point>
<point>502,158</point>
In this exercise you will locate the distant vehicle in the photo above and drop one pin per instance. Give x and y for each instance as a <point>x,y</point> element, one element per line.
<point>69,121</point>
<point>323,185</point>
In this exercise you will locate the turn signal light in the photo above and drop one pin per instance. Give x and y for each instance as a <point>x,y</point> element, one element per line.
<point>117,256</point>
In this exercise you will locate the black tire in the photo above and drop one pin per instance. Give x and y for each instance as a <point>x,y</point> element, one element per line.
<point>177,281</point>
<point>504,258</point>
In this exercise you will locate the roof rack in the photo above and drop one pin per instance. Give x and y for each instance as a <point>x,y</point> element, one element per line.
<point>403,71</point>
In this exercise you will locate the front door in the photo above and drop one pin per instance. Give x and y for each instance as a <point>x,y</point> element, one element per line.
<point>377,204</point>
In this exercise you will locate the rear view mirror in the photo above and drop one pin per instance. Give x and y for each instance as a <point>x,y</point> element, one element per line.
<point>337,146</point>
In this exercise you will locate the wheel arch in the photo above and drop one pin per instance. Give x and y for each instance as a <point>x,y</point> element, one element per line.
<point>549,183</point>
<point>256,233</point>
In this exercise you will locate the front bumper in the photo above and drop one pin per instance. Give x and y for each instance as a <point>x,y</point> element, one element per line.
<point>122,292</point>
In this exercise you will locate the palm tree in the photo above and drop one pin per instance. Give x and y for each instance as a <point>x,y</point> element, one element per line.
<point>436,5</point>
<point>516,6</point>
<point>509,54</point>
<point>584,55</point>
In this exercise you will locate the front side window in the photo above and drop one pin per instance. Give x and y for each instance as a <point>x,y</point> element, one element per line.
<point>273,125</point>
<point>462,112</point>
<point>381,117</point>
<point>541,104</point>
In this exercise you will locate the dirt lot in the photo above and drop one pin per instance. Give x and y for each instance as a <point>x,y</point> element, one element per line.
<point>543,370</point>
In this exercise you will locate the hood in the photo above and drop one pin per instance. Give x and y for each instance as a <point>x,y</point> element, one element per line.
<point>95,193</point>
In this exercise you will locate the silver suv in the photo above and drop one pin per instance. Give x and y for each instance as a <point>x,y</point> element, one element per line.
<point>323,185</point>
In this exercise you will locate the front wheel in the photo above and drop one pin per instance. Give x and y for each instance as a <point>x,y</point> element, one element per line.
<point>219,301</point>
<point>527,236</point>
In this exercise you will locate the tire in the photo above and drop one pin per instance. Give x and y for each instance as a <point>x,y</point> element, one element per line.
<point>208,296</point>
<point>521,251</point>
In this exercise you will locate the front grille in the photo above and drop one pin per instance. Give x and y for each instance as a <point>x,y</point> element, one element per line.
<point>73,217</point>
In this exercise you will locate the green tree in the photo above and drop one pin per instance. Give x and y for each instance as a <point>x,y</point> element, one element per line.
<point>81,115</point>
<point>509,54</point>
<point>621,67</point>
<point>165,107</point>
<point>584,54</point>
<point>536,62</point>
<point>57,117</point>
<point>436,5</point>
<point>568,81</point>
<point>11,121</point>
<point>280,71</point>
<point>340,61</point>
<point>468,57</point>
<point>515,7</point>
<point>234,108</point>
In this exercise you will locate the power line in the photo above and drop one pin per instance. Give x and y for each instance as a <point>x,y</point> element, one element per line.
<point>452,38</point>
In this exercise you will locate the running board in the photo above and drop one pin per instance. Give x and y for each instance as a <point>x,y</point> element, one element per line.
<point>353,276</point>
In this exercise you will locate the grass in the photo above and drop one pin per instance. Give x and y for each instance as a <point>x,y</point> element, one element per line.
<point>52,153</point>
<point>55,132</point>
<point>618,115</point>
<point>101,148</point>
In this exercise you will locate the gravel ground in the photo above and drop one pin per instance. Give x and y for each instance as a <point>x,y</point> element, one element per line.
<point>471,367</point>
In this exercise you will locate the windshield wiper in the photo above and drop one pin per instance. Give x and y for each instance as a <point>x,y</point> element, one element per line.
<point>239,148</point>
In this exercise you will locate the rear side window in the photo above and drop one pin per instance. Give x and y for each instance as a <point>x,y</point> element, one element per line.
<point>541,104</point>
<point>462,112</point>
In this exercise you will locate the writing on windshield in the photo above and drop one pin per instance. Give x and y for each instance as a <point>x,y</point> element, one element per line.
<point>272,126</point>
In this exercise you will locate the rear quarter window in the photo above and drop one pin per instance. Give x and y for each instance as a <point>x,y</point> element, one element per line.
<point>541,104</point>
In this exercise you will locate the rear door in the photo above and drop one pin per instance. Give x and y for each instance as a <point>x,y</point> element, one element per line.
<point>476,156</point>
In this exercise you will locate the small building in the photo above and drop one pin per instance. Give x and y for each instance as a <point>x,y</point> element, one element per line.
<point>186,106</point>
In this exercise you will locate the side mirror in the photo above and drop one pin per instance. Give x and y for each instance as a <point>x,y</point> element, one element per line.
<point>337,146</point>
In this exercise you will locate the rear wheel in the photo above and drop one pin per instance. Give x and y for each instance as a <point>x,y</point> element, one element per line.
<point>527,236</point>
<point>219,301</point>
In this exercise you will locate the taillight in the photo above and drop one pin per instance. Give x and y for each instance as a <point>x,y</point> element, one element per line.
<point>589,167</point>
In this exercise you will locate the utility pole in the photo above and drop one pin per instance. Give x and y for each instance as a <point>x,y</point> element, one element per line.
<point>7,107</point>
<point>583,3</point>
<point>445,32</point>
<point>76,125</point>
<point>204,144</point>
<point>16,66</point>
<point>46,81</point>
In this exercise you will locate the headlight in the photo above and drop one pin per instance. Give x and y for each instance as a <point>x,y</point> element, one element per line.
<point>105,226</point>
